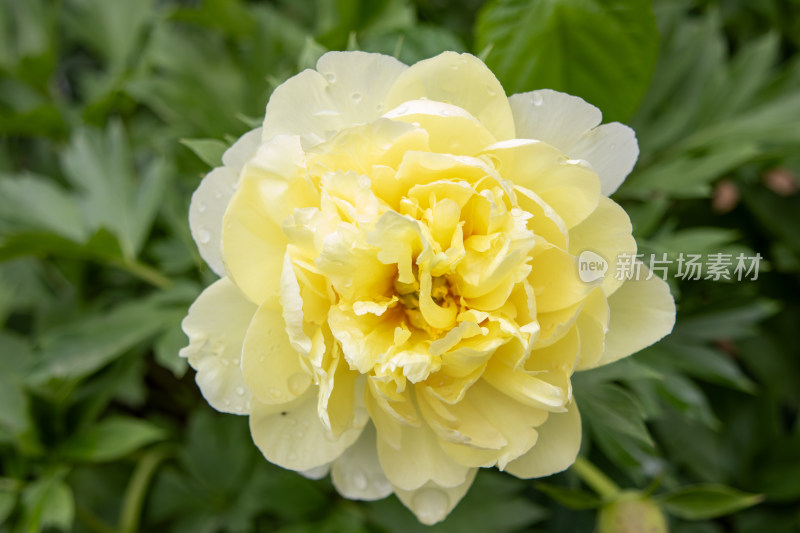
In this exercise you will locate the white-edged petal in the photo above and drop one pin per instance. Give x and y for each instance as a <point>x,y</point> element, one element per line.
<point>347,88</point>
<point>556,449</point>
<point>554,117</point>
<point>318,472</point>
<point>209,202</point>
<point>242,150</point>
<point>216,326</point>
<point>432,503</point>
<point>612,151</point>
<point>357,473</point>
<point>571,124</point>
<point>642,312</point>
<point>291,435</point>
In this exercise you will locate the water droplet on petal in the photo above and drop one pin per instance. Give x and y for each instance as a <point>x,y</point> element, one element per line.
<point>613,146</point>
<point>240,391</point>
<point>359,480</point>
<point>430,505</point>
<point>275,392</point>
<point>217,195</point>
<point>227,403</point>
<point>203,236</point>
<point>537,98</point>
<point>201,207</point>
<point>298,383</point>
<point>490,90</point>
<point>356,97</point>
<point>331,77</point>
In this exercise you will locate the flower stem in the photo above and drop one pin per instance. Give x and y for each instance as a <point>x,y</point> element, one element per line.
<point>137,489</point>
<point>595,478</point>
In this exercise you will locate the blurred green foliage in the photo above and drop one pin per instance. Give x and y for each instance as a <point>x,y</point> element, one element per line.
<point>112,110</point>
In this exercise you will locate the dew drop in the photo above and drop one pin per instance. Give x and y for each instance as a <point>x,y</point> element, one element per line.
<point>430,505</point>
<point>359,480</point>
<point>217,195</point>
<point>537,98</point>
<point>240,391</point>
<point>238,408</point>
<point>298,383</point>
<point>378,107</point>
<point>613,146</point>
<point>331,77</point>
<point>201,207</point>
<point>225,362</point>
<point>275,392</point>
<point>356,97</point>
<point>490,91</point>
<point>203,236</point>
<point>227,402</point>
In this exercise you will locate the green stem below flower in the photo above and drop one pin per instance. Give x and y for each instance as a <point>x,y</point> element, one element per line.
<point>137,488</point>
<point>595,479</point>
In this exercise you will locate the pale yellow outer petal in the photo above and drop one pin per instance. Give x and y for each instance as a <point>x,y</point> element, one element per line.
<point>357,473</point>
<point>642,312</point>
<point>432,503</point>
<point>291,435</point>
<point>607,232</point>
<point>459,79</point>
<point>558,446</point>
<point>216,326</point>
<point>452,130</point>
<point>346,89</point>
<point>273,182</point>
<point>429,463</point>
<point>270,364</point>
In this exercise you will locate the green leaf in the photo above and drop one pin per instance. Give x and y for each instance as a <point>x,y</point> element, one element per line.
<point>117,194</point>
<point>16,357</point>
<point>603,51</point>
<point>110,439</point>
<point>701,502</point>
<point>48,502</point>
<point>112,30</point>
<point>36,203</point>
<point>208,150</point>
<point>74,350</point>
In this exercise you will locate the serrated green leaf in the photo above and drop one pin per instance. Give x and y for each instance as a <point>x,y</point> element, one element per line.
<point>602,51</point>
<point>110,439</point>
<point>701,502</point>
<point>117,194</point>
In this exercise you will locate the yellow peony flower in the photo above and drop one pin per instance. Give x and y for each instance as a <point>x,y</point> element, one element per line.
<point>399,301</point>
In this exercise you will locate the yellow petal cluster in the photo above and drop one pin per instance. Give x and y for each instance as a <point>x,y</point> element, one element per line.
<point>400,300</point>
